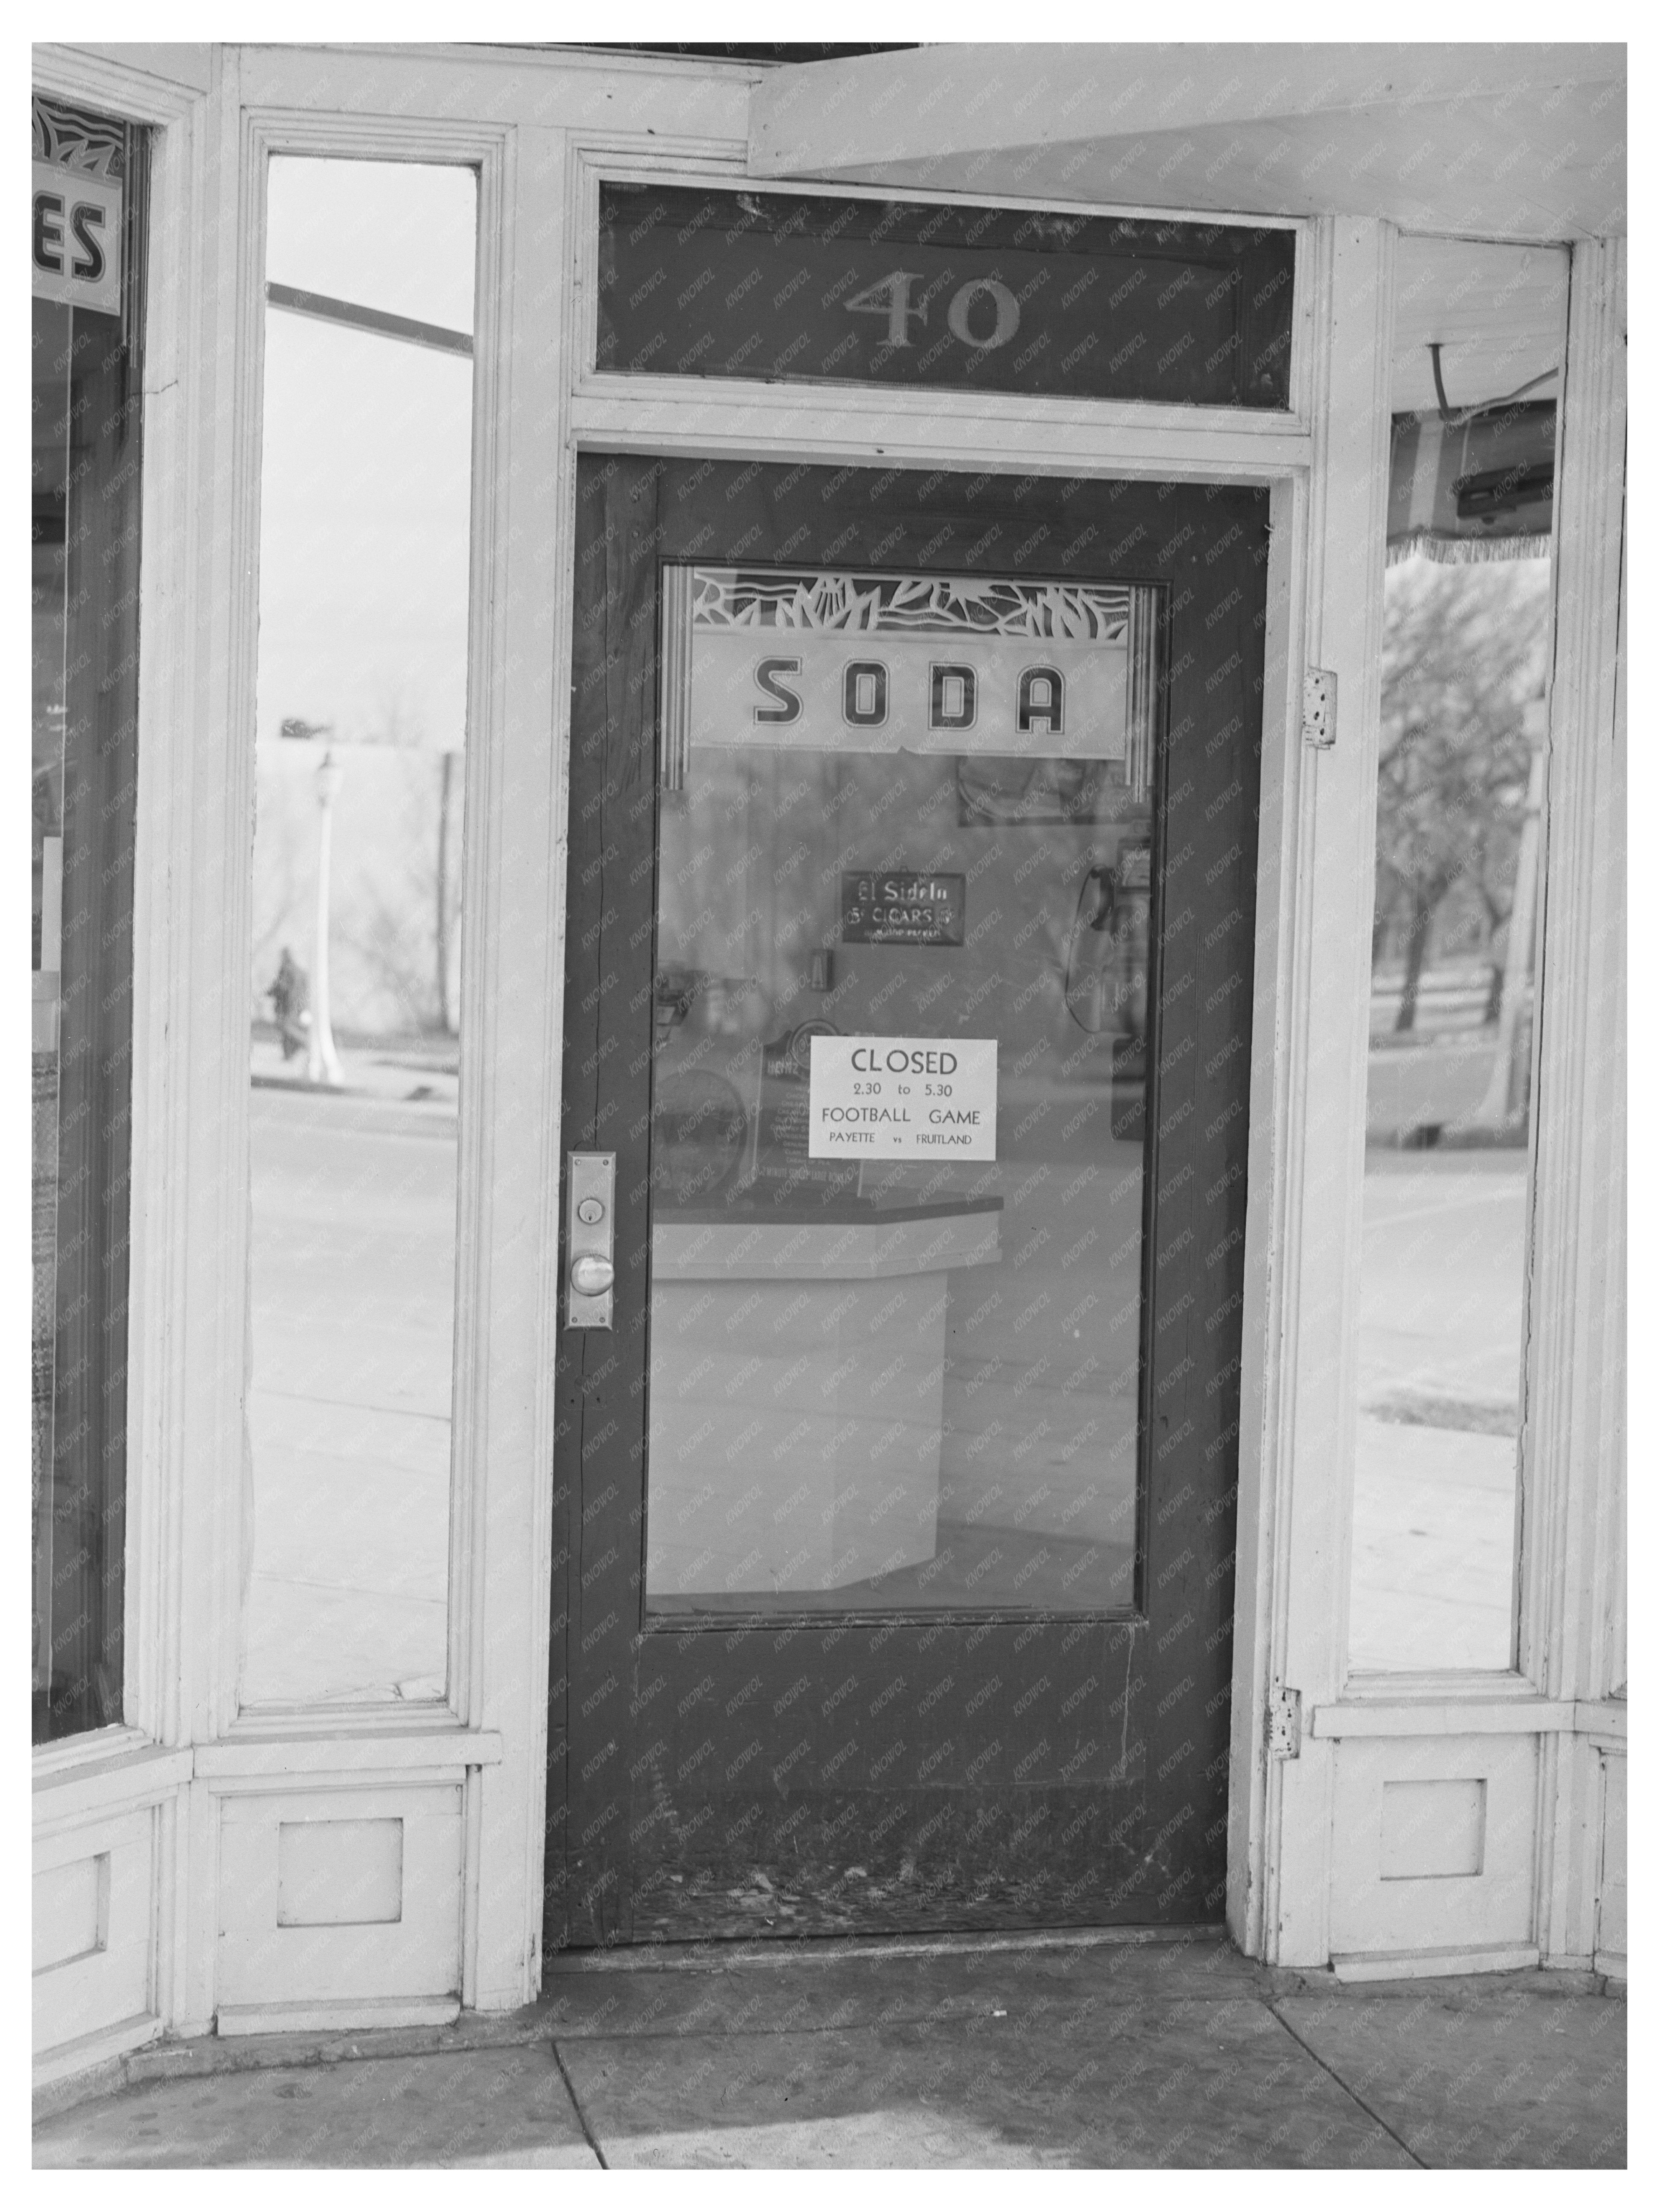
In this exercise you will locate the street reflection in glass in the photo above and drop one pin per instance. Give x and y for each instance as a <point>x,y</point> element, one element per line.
<point>1480,332</point>
<point>1449,1114</point>
<point>356,982</point>
<point>898,1094</point>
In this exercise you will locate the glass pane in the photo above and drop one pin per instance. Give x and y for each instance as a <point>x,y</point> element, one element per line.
<point>1459,839</point>
<point>700,281</point>
<point>356,1010</point>
<point>898,1104</point>
<point>89,182</point>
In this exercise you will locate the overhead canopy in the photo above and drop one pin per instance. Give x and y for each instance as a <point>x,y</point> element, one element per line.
<point>1510,141</point>
<point>1479,337</point>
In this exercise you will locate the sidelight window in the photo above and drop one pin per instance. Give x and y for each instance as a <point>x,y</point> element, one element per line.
<point>355,1018</point>
<point>1456,928</point>
<point>89,192</point>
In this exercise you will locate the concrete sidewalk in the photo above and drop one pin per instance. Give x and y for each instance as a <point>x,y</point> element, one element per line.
<point>1086,2050</point>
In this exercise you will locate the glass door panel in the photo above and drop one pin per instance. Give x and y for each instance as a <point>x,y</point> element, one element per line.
<point>898,1090</point>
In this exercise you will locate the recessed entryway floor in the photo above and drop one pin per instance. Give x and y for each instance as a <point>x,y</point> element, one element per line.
<point>1076,2052</point>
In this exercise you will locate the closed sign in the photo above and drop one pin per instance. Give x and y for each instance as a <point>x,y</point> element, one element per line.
<point>903,1099</point>
<point>75,233</point>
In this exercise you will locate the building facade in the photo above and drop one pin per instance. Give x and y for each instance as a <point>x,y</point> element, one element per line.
<point>921,595</point>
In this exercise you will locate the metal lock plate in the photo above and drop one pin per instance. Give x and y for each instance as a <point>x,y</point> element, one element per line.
<point>590,1241</point>
<point>1319,707</point>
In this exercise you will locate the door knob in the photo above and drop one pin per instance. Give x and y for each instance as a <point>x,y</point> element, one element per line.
<point>589,1229</point>
<point>590,1274</point>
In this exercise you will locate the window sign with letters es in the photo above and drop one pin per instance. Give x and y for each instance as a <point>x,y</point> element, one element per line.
<point>903,1099</point>
<point>77,208</point>
<point>767,285</point>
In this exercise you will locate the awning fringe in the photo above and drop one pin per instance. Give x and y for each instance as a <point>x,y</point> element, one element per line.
<point>1454,552</point>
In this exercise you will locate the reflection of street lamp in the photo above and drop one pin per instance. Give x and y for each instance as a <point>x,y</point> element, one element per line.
<point>323,1065</point>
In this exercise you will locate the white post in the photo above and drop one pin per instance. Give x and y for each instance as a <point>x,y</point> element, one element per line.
<point>323,1064</point>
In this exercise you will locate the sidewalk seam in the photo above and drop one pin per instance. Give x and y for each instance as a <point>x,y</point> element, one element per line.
<point>1371,2112</point>
<point>588,2135</point>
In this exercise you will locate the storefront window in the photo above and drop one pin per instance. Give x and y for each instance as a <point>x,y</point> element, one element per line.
<point>355,1001</point>
<point>1454,957</point>
<point>89,183</point>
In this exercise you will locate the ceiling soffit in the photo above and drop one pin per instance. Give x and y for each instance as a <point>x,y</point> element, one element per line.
<point>1522,143</point>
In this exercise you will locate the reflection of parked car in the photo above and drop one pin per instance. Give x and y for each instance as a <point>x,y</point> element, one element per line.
<point>729,1111</point>
<point>1108,947</point>
<point>699,1127</point>
<point>699,1134</point>
<point>1134,952</point>
<point>1106,963</point>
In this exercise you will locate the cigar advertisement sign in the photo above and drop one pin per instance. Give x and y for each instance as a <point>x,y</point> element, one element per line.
<point>899,906</point>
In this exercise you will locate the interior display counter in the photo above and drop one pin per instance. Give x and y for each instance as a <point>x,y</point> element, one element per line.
<point>796,1385</point>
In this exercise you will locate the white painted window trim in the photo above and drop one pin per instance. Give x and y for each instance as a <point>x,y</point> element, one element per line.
<point>824,422</point>
<point>1573,1551</point>
<point>1307,1114</point>
<point>187,1358</point>
<point>179,118</point>
<point>1523,1715</point>
<point>85,1787</point>
<point>631,404</point>
<point>486,152</point>
<point>1570,1597</point>
<point>498,1569</point>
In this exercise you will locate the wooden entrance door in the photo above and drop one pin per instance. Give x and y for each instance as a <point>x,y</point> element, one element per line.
<point>913,830</point>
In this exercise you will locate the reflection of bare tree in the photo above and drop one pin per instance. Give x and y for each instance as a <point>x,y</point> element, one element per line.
<point>1463,651</point>
<point>431,879</point>
<point>397,871</point>
<point>403,921</point>
<point>448,889</point>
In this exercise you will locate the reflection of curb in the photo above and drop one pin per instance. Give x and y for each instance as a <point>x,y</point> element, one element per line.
<point>1128,1109</point>
<point>1430,1409</point>
<point>313,1090</point>
<point>1451,1136</point>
